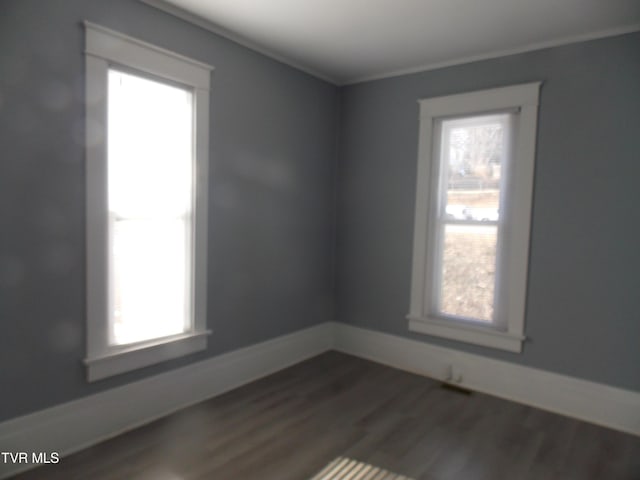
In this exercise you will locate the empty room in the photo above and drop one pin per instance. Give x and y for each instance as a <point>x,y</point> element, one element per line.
<point>319,240</point>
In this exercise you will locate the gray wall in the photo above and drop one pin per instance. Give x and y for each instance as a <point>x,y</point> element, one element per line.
<point>583,310</point>
<point>271,209</point>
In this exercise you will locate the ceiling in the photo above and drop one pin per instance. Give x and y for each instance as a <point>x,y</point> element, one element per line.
<point>347,41</point>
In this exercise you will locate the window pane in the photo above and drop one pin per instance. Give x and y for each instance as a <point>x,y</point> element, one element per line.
<point>468,271</point>
<point>150,139</point>
<point>473,156</point>
<point>149,271</point>
<point>150,185</point>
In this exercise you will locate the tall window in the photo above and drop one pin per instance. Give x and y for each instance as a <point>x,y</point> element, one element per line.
<point>473,202</point>
<point>473,152</point>
<point>147,137</point>
<point>150,181</point>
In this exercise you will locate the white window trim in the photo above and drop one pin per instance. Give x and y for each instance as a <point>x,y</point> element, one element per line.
<point>516,232</point>
<point>105,47</point>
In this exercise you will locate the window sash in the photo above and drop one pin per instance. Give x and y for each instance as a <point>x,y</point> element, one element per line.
<point>438,220</point>
<point>185,286</point>
<point>125,152</point>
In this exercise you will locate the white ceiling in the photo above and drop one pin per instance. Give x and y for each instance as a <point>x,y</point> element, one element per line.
<point>346,41</point>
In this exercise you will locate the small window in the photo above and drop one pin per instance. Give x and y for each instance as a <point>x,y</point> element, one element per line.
<point>147,137</point>
<point>473,203</point>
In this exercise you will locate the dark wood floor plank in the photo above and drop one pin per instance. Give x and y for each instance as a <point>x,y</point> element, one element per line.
<point>337,417</point>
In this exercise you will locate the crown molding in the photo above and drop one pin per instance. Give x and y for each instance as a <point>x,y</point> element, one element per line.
<point>611,32</point>
<point>234,37</point>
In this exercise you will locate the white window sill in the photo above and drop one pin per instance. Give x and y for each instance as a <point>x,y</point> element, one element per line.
<point>130,357</point>
<point>468,333</point>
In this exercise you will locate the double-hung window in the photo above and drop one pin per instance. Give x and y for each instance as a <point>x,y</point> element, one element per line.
<point>473,210</point>
<point>147,146</point>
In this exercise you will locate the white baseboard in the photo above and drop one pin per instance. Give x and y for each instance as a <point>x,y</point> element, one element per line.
<point>589,401</point>
<point>75,425</point>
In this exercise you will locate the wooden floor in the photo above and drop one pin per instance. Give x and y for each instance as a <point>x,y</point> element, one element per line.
<point>339,417</point>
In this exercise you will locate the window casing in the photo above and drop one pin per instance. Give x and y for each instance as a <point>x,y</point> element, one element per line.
<point>147,126</point>
<point>473,213</point>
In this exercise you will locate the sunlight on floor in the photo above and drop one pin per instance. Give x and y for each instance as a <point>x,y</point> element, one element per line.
<point>344,468</point>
